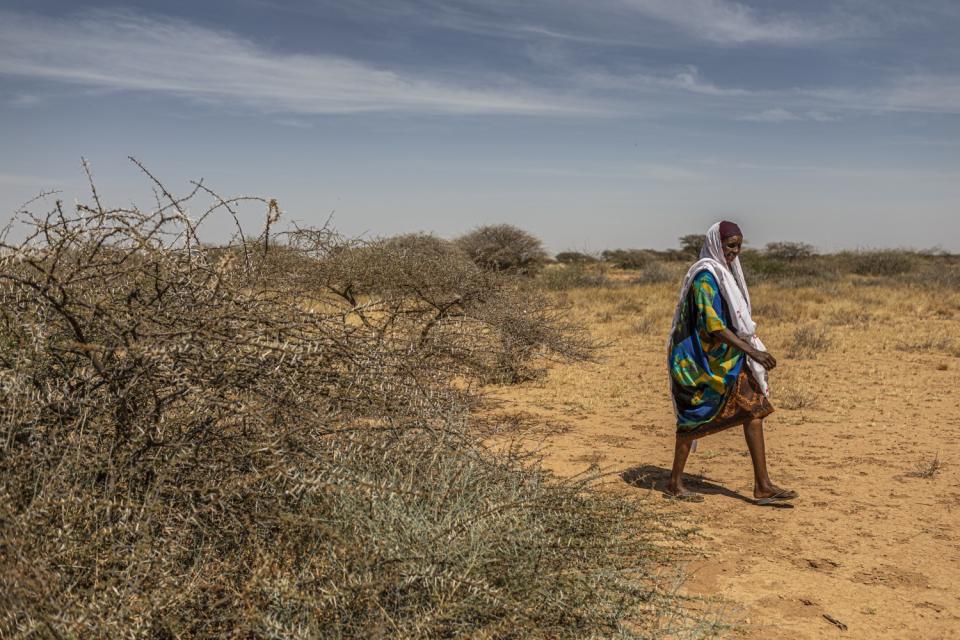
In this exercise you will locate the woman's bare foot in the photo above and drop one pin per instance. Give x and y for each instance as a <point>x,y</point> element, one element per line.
<point>677,491</point>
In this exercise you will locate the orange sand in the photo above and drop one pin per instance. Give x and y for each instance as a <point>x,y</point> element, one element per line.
<point>867,544</point>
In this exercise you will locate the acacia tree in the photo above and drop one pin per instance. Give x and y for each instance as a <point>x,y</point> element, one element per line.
<point>691,244</point>
<point>504,248</point>
<point>790,250</point>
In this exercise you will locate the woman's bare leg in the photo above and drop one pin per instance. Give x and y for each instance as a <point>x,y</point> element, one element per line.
<point>753,432</point>
<point>680,453</point>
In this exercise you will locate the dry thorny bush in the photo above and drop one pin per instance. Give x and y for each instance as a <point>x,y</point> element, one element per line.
<point>271,439</point>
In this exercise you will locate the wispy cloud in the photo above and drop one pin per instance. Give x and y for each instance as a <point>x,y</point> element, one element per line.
<point>771,115</point>
<point>724,21</point>
<point>23,100</point>
<point>685,80</point>
<point>779,114</point>
<point>617,22</point>
<point>123,50</point>
<point>927,93</point>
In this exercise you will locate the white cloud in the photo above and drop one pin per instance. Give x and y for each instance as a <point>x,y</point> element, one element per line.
<point>122,50</point>
<point>784,115</point>
<point>822,116</point>
<point>924,93</point>
<point>687,80</point>
<point>296,123</point>
<point>724,21</point>
<point>690,80</point>
<point>771,115</point>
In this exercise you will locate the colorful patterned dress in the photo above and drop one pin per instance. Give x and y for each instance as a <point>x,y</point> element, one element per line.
<point>712,389</point>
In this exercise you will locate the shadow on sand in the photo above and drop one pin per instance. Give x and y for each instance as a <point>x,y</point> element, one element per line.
<point>648,476</point>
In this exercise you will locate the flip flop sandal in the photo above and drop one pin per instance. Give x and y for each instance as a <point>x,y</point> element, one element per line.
<point>779,496</point>
<point>683,497</point>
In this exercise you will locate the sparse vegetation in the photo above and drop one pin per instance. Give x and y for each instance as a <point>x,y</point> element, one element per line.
<point>272,438</point>
<point>935,344</point>
<point>570,276</point>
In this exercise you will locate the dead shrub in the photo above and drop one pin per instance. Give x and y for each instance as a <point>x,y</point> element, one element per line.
<point>257,441</point>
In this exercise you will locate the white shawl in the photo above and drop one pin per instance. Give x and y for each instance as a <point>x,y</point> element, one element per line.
<point>733,288</point>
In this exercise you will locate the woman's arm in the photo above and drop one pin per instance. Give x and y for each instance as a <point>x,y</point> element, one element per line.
<point>764,358</point>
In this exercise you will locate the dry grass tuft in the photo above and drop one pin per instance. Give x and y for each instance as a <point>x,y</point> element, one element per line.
<point>808,341</point>
<point>927,468</point>
<point>927,344</point>
<point>792,397</point>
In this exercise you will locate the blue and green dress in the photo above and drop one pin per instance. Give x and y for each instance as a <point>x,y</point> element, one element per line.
<point>712,387</point>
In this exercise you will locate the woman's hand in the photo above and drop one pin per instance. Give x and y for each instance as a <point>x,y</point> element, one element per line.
<point>766,360</point>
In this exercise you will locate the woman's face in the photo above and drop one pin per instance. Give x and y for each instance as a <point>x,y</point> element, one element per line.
<point>731,248</point>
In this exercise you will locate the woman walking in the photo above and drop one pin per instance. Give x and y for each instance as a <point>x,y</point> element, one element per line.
<point>718,365</point>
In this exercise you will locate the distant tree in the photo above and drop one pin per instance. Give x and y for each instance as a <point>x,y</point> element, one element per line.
<point>627,258</point>
<point>790,250</point>
<point>503,248</point>
<point>691,243</point>
<point>574,257</point>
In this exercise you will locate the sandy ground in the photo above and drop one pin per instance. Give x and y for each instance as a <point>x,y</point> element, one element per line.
<point>871,543</point>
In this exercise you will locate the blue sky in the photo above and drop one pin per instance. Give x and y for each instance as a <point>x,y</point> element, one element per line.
<point>610,123</point>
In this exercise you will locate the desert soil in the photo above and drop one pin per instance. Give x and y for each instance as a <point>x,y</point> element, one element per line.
<point>867,430</point>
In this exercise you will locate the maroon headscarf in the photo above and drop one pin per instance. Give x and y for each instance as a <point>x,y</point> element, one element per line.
<point>728,229</point>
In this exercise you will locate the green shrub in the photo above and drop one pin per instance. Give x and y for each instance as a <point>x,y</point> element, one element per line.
<point>790,250</point>
<point>653,273</point>
<point>627,258</point>
<point>880,263</point>
<point>574,257</point>
<point>691,244</point>
<point>503,248</point>
<point>759,267</point>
